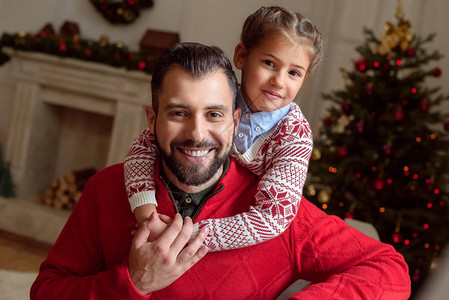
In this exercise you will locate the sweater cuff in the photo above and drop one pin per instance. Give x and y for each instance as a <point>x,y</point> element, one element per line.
<point>142,198</point>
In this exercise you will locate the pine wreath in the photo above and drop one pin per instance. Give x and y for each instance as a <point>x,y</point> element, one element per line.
<point>125,11</point>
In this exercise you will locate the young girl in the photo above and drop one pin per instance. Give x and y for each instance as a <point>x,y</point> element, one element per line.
<point>278,50</point>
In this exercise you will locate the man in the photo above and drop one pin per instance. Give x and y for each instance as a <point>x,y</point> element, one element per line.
<point>96,257</point>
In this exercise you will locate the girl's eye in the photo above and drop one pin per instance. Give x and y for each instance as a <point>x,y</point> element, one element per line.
<point>295,73</point>
<point>268,63</point>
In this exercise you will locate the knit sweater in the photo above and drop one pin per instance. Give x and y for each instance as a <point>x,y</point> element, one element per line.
<point>90,258</point>
<point>280,157</point>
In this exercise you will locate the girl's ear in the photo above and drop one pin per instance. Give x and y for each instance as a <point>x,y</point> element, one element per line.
<point>239,56</point>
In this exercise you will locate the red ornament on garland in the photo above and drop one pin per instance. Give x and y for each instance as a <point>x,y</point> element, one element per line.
<point>141,65</point>
<point>437,72</point>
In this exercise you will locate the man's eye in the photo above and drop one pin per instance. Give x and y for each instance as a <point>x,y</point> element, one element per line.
<point>214,115</point>
<point>178,113</point>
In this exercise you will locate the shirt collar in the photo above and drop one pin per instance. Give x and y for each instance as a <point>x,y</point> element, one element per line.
<point>262,119</point>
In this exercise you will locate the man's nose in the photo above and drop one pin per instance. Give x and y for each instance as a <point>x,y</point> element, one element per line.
<point>197,130</point>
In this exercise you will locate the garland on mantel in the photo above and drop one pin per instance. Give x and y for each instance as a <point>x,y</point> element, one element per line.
<point>121,11</point>
<point>102,51</point>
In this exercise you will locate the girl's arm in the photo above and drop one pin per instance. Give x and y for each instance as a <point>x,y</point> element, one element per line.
<point>281,159</point>
<point>139,170</point>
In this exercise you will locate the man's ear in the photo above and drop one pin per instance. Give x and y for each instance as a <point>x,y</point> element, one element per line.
<point>237,116</point>
<point>239,56</point>
<point>151,117</point>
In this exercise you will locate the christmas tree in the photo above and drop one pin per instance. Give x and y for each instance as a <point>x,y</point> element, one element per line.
<point>381,155</point>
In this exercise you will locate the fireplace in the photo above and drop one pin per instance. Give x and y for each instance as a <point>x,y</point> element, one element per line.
<point>68,114</point>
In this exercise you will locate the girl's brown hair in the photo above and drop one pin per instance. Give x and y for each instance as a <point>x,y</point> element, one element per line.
<point>294,26</point>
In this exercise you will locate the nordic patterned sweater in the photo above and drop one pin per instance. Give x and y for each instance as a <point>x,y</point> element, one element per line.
<point>280,157</point>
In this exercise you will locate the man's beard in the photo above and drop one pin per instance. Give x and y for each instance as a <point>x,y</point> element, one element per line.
<point>191,173</point>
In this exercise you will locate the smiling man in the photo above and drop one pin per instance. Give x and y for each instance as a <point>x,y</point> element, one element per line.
<point>96,257</point>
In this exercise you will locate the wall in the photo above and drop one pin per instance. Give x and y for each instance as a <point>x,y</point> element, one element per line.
<point>219,22</point>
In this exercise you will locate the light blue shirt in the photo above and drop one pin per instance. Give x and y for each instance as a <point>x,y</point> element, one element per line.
<point>252,125</point>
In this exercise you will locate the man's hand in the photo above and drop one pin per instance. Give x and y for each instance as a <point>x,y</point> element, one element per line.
<point>155,265</point>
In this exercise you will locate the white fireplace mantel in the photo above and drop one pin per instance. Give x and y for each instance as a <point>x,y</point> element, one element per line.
<point>42,80</point>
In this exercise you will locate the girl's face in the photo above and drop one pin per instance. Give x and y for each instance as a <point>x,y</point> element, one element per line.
<point>272,72</point>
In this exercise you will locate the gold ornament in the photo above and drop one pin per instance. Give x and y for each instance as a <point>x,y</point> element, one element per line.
<point>324,197</point>
<point>394,36</point>
<point>104,40</point>
<point>316,154</point>
<point>311,190</point>
<point>129,16</point>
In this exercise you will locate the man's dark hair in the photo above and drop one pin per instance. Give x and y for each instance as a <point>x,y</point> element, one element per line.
<point>198,60</point>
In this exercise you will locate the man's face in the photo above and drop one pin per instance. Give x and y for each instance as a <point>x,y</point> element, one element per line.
<point>195,126</point>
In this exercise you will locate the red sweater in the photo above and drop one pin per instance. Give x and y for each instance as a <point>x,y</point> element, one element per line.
<point>89,259</point>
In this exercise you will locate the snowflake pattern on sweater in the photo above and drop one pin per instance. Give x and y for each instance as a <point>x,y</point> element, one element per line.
<point>280,157</point>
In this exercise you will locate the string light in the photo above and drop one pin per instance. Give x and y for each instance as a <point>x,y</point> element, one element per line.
<point>382,209</point>
<point>412,188</point>
<point>332,170</point>
<point>398,62</point>
<point>324,206</point>
<point>341,204</point>
<point>429,205</point>
<point>426,226</point>
<point>373,168</point>
<point>414,90</point>
<point>415,176</point>
<point>418,139</point>
<point>407,242</point>
<point>436,191</point>
<point>433,136</point>
<point>389,181</point>
<point>426,245</point>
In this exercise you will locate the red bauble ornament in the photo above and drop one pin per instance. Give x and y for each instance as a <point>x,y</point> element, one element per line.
<point>346,107</point>
<point>425,105</point>
<point>387,149</point>
<point>141,65</point>
<point>411,52</point>
<point>361,65</point>
<point>360,126</point>
<point>446,126</point>
<point>369,90</point>
<point>396,237</point>
<point>378,184</point>
<point>62,47</point>
<point>437,72</point>
<point>399,114</point>
<point>327,122</point>
<point>342,151</point>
